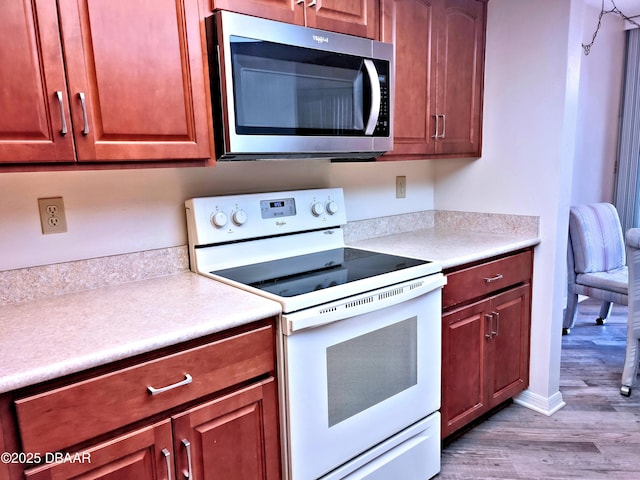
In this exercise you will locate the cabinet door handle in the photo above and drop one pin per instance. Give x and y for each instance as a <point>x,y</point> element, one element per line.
<point>494,278</point>
<point>494,333</point>
<point>312,3</point>
<point>187,447</point>
<point>167,457</point>
<point>63,121</point>
<point>444,125</point>
<point>489,316</point>
<point>155,391</point>
<point>300,2</point>
<point>85,129</point>
<point>435,135</point>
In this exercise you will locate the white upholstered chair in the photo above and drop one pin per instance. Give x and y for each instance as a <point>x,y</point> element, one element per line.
<point>632,356</point>
<point>596,260</point>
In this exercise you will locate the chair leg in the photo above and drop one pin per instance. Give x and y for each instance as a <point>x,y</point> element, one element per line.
<point>605,310</point>
<point>570,313</point>
<point>630,370</point>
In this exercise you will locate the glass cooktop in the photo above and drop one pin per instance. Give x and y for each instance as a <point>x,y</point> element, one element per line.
<point>288,277</point>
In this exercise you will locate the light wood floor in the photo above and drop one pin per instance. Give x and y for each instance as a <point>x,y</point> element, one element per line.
<point>595,436</point>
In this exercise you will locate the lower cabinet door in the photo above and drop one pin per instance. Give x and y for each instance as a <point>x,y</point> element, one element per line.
<point>508,362</point>
<point>144,454</point>
<point>464,344</point>
<point>234,437</point>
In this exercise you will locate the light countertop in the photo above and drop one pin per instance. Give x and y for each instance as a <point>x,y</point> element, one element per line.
<point>49,338</point>
<point>449,247</point>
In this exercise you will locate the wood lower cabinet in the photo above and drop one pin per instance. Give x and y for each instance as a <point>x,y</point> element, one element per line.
<point>144,454</point>
<point>439,47</point>
<point>93,82</point>
<point>231,437</point>
<point>218,418</point>
<point>355,17</point>
<point>485,337</point>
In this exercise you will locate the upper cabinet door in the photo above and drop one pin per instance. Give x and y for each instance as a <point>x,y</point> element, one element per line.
<point>356,17</point>
<point>135,79</point>
<point>289,11</point>
<point>35,124</point>
<point>460,71</point>
<point>409,25</point>
<point>439,47</point>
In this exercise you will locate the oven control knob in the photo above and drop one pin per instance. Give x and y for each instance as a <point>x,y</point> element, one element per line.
<point>219,219</point>
<point>317,209</point>
<point>239,217</point>
<point>332,207</point>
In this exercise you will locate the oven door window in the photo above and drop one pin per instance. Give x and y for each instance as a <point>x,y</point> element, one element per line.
<point>366,370</point>
<point>287,90</point>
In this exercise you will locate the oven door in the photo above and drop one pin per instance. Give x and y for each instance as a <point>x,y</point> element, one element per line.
<point>285,90</point>
<point>354,383</point>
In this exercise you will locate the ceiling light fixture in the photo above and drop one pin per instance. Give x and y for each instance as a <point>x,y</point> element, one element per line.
<point>603,12</point>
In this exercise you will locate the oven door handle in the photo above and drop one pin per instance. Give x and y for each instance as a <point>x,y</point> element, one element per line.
<point>374,80</point>
<point>362,303</point>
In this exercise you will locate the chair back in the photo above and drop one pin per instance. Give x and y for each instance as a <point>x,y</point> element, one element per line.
<point>596,238</point>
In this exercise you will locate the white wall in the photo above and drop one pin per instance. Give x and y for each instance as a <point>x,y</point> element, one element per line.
<point>120,211</point>
<point>601,79</point>
<point>533,59</point>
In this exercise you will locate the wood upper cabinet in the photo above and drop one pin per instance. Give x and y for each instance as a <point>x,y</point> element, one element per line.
<point>353,17</point>
<point>439,76</point>
<point>129,86</point>
<point>485,338</point>
<point>33,96</point>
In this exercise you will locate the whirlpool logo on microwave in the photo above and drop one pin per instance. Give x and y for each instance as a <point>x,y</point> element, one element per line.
<point>320,39</point>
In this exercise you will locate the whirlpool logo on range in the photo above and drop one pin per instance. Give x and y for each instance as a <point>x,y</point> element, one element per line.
<point>321,39</point>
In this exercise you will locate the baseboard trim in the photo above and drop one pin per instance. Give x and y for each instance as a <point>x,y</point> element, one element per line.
<point>545,405</point>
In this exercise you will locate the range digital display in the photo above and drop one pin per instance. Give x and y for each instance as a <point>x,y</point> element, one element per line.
<point>282,207</point>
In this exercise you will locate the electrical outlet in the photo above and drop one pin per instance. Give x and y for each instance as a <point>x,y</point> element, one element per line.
<point>52,216</point>
<point>401,186</point>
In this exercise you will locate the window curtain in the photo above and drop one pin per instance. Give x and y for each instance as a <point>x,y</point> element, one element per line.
<point>627,195</point>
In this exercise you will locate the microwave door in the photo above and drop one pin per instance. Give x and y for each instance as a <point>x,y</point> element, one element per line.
<point>374,81</point>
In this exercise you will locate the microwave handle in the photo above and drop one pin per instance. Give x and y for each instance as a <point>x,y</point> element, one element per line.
<point>374,80</point>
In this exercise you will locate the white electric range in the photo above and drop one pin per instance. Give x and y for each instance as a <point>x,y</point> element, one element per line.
<point>359,336</point>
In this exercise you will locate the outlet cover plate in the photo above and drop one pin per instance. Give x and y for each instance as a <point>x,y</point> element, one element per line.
<point>52,215</point>
<point>401,186</point>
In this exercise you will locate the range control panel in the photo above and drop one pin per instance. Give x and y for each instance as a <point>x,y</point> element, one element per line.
<point>228,218</point>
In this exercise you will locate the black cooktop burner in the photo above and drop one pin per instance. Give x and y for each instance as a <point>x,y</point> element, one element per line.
<point>288,277</point>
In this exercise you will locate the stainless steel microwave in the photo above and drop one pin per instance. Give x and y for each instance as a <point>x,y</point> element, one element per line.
<point>286,91</point>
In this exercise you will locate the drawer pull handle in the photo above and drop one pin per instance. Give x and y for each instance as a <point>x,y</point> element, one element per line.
<point>187,446</point>
<point>155,391</point>
<point>493,279</point>
<point>167,457</point>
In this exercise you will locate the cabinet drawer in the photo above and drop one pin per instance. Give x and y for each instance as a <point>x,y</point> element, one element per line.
<point>80,411</point>
<point>473,282</point>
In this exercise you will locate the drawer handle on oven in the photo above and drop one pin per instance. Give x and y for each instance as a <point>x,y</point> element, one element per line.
<point>493,279</point>
<point>155,391</point>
